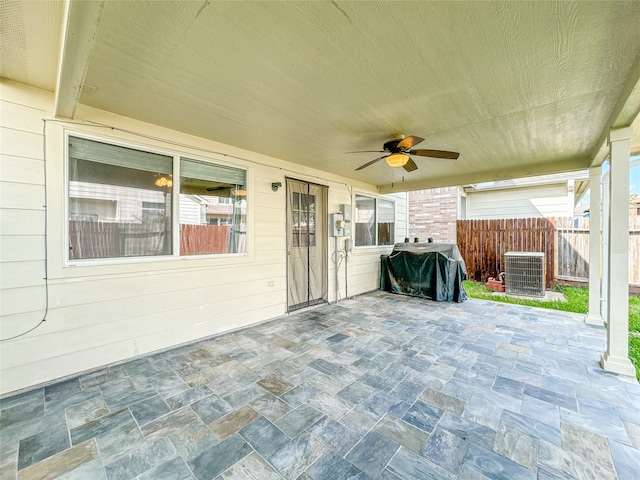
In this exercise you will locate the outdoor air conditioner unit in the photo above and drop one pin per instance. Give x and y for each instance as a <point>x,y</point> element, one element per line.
<point>524,272</point>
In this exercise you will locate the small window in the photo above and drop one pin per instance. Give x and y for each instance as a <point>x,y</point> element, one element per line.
<point>375,221</point>
<point>213,208</point>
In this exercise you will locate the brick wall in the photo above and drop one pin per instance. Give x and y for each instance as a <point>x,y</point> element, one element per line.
<point>433,213</point>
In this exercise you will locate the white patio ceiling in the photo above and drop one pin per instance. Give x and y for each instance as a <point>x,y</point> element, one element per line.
<point>518,88</point>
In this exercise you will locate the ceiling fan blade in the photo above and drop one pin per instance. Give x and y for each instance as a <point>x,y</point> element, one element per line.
<point>367,151</point>
<point>410,166</point>
<point>435,154</point>
<point>371,162</point>
<point>409,142</point>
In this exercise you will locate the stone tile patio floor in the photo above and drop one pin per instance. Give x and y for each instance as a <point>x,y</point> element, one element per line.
<point>378,387</point>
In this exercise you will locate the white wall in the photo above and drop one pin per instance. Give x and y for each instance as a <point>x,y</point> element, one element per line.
<point>523,202</point>
<point>103,312</point>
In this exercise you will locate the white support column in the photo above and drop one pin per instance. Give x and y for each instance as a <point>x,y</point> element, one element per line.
<point>571,197</point>
<point>616,357</point>
<point>604,289</point>
<point>594,317</point>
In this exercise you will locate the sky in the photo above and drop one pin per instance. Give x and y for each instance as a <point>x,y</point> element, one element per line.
<point>634,178</point>
<point>634,175</point>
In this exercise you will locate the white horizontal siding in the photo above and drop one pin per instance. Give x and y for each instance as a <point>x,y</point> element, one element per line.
<point>21,274</point>
<point>17,143</point>
<point>23,118</point>
<point>189,211</point>
<point>102,312</point>
<point>21,196</point>
<point>364,270</point>
<point>270,243</point>
<point>401,230</point>
<point>21,248</point>
<point>526,202</point>
<point>23,170</point>
<point>17,221</point>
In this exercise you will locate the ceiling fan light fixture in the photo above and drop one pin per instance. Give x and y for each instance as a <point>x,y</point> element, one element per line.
<point>164,182</point>
<point>397,159</point>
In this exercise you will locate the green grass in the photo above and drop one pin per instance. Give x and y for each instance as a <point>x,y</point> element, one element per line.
<point>634,354</point>
<point>577,298</point>
<point>577,301</point>
<point>634,314</point>
<point>634,326</point>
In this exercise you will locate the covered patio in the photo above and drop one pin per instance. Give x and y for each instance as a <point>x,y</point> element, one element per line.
<point>162,365</point>
<point>380,386</point>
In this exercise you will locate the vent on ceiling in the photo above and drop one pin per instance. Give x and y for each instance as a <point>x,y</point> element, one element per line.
<point>524,273</point>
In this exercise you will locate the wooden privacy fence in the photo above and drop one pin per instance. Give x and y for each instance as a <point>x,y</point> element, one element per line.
<point>564,241</point>
<point>483,244</point>
<point>111,239</point>
<point>203,239</point>
<point>573,248</point>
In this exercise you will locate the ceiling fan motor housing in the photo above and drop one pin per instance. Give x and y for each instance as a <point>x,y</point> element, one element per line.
<point>392,146</point>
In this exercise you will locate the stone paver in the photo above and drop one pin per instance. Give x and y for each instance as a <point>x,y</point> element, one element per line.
<point>379,387</point>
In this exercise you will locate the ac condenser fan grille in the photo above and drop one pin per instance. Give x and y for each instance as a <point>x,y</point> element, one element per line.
<point>524,273</point>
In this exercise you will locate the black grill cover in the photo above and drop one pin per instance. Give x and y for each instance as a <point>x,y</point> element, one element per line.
<point>429,270</point>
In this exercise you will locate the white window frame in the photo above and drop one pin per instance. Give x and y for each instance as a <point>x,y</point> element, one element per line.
<point>175,203</point>
<point>376,199</point>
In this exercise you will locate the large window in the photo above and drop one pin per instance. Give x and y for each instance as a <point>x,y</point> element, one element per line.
<point>122,204</point>
<point>375,221</point>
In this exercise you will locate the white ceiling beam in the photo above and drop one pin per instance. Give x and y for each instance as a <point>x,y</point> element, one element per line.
<point>80,30</point>
<point>487,176</point>
<point>623,114</point>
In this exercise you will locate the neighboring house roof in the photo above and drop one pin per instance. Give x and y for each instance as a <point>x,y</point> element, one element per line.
<point>582,209</point>
<point>580,183</point>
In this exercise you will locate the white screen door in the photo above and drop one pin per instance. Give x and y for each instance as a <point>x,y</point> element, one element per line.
<point>306,244</point>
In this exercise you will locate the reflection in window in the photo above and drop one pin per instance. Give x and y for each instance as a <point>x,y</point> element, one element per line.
<point>121,204</point>
<point>304,220</point>
<point>386,222</point>
<point>375,221</point>
<point>213,208</point>
<point>365,221</point>
<point>111,191</point>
